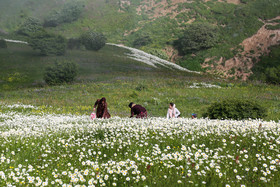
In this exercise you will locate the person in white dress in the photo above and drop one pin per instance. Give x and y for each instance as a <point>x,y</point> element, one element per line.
<point>172,111</point>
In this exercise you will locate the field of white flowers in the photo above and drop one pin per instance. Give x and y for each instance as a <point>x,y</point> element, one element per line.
<point>39,149</point>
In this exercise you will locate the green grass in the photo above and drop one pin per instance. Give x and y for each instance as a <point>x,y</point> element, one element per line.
<point>121,80</point>
<point>155,95</point>
<point>21,66</point>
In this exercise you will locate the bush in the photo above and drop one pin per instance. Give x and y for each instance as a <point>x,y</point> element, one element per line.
<point>235,109</point>
<point>3,43</point>
<point>60,72</point>
<point>93,40</point>
<point>197,37</point>
<point>69,13</point>
<point>47,43</point>
<point>272,75</point>
<point>29,27</point>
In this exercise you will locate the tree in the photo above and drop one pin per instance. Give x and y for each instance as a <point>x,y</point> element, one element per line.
<point>93,40</point>
<point>60,72</point>
<point>196,37</point>
<point>48,43</point>
<point>69,13</point>
<point>29,27</point>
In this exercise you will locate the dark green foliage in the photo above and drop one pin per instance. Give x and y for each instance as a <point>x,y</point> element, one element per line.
<point>197,37</point>
<point>74,43</point>
<point>268,68</point>
<point>93,40</point>
<point>69,13</point>
<point>142,41</point>
<point>60,72</point>
<point>3,43</point>
<point>191,63</point>
<point>29,27</point>
<point>235,109</point>
<point>48,43</point>
<point>272,75</point>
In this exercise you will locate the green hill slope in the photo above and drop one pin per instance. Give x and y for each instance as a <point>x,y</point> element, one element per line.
<point>112,74</point>
<point>160,23</point>
<point>20,66</point>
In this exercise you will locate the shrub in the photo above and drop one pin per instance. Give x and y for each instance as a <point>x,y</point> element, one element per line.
<point>93,40</point>
<point>197,37</point>
<point>272,75</point>
<point>29,27</point>
<point>52,20</point>
<point>3,43</point>
<point>60,72</point>
<point>235,109</point>
<point>69,13</point>
<point>48,43</point>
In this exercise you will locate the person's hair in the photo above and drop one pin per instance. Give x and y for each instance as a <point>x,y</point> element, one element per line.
<point>172,104</point>
<point>103,99</point>
<point>130,104</point>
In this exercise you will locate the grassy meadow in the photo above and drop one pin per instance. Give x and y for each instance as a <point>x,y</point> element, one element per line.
<point>48,139</point>
<point>109,73</point>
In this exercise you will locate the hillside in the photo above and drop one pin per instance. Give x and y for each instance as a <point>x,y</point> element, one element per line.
<point>154,26</point>
<point>20,66</point>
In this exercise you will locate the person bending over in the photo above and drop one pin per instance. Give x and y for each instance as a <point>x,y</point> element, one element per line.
<point>137,110</point>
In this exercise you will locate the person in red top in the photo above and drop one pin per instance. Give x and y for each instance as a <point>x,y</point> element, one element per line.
<point>102,111</point>
<point>137,110</point>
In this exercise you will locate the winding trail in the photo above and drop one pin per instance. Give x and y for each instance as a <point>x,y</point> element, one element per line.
<point>140,56</point>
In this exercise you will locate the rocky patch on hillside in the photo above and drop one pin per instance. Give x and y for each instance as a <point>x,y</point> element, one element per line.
<point>252,49</point>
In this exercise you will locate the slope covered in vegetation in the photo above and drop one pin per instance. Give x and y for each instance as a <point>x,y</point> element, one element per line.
<point>155,26</point>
